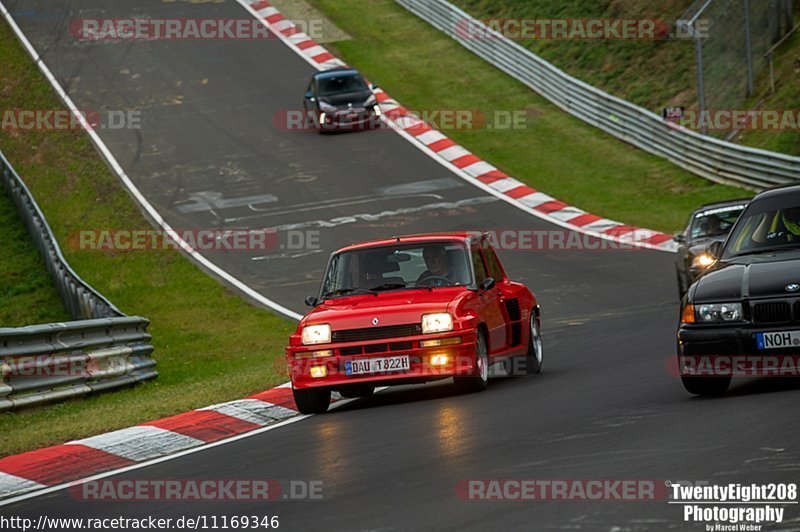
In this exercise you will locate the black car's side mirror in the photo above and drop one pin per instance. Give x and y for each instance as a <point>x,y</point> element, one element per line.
<point>487,284</point>
<point>679,238</point>
<point>374,87</point>
<point>312,301</point>
<point>310,96</point>
<point>714,249</point>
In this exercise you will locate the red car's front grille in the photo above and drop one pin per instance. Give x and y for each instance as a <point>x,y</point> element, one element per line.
<point>376,333</point>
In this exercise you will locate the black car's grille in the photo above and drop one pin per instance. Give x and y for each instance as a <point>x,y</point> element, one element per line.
<point>775,312</point>
<point>377,333</point>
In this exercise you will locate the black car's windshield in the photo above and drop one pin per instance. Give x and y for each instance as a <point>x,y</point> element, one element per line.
<point>341,84</point>
<point>399,267</point>
<point>715,222</point>
<point>766,231</point>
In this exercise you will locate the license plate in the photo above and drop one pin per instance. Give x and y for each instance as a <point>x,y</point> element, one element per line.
<point>376,365</point>
<point>778,340</point>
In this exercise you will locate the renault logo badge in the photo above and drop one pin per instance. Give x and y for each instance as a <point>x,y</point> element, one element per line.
<point>793,287</point>
<point>376,321</point>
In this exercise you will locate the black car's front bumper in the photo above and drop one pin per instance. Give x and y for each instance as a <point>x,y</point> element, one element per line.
<point>733,350</point>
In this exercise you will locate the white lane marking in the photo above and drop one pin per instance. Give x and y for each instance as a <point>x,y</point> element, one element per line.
<point>253,410</point>
<point>288,255</point>
<point>420,187</point>
<point>139,443</point>
<point>134,191</point>
<point>372,217</point>
<point>210,200</point>
<point>13,485</point>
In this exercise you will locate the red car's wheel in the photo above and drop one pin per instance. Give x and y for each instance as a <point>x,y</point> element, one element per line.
<point>535,357</point>
<point>313,400</point>
<point>480,377</point>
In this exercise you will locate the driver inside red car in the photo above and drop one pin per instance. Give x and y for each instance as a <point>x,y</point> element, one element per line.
<point>439,272</point>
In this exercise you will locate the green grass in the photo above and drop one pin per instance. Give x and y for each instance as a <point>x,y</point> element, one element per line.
<point>27,293</point>
<point>652,74</point>
<point>211,346</point>
<point>556,153</point>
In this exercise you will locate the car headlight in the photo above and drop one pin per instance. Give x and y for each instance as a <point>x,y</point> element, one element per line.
<point>372,100</point>
<point>436,323</point>
<point>316,334</point>
<point>326,107</point>
<point>718,312</point>
<point>702,261</point>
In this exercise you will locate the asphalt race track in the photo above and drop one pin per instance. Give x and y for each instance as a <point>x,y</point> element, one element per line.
<point>208,156</point>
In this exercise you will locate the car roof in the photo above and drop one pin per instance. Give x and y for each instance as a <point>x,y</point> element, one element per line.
<point>334,72</point>
<point>721,204</point>
<point>455,236</point>
<point>790,188</point>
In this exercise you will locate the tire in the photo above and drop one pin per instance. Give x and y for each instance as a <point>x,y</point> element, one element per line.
<point>312,400</point>
<point>535,358</point>
<point>707,386</point>
<point>480,378</point>
<point>357,391</point>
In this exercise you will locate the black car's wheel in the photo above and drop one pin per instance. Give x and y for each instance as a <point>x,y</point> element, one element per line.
<point>706,385</point>
<point>480,377</point>
<point>356,391</point>
<point>535,358</point>
<point>312,400</point>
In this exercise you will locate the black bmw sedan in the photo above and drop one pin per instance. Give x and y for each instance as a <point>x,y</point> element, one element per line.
<point>341,99</point>
<point>743,315</point>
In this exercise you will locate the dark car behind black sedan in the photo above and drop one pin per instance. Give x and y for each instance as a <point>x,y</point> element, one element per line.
<point>708,223</point>
<point>744,312</point>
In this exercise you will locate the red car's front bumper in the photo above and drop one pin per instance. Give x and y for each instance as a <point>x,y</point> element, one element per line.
<point>456,357</point>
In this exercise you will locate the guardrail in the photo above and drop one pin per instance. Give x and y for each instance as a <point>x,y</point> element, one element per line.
<point>82,301</point>
<point>710,158</point>
<point>41,363</point>
<point>53,362</point>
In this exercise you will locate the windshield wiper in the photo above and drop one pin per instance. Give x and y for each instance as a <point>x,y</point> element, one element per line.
<point>389,286</point>
<point>348,291</point>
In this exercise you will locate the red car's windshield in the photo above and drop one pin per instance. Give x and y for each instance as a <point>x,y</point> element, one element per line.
<point>428,265</point>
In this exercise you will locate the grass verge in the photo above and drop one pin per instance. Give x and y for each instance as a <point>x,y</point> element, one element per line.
<point>27,293</point>
<point>556,153</point>
<point>211,346</point>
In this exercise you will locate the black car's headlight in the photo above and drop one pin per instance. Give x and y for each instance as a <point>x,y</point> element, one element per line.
<point>713,313</point>
<point>702,261</point>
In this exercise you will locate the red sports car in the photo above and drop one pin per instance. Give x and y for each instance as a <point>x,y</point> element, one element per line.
<point>411,310</point>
